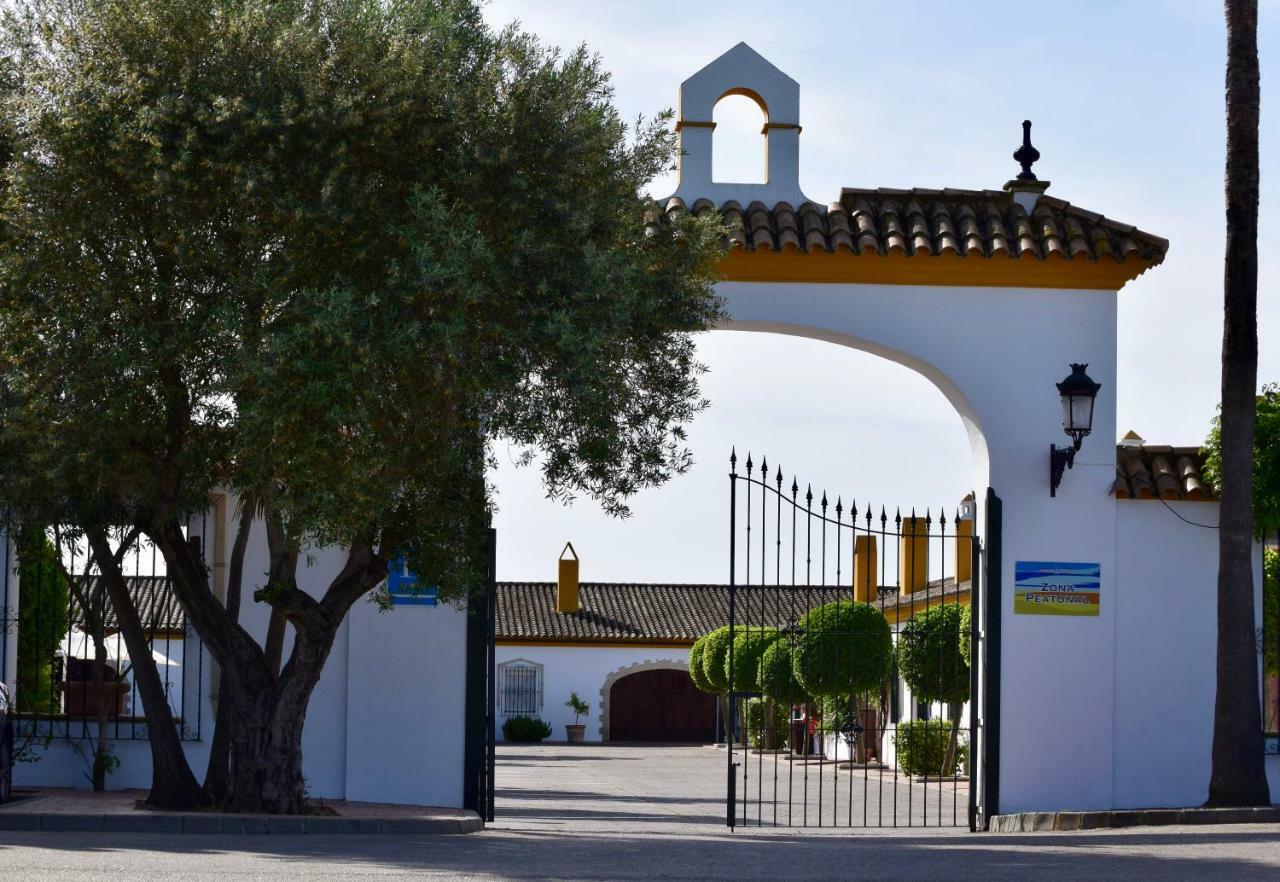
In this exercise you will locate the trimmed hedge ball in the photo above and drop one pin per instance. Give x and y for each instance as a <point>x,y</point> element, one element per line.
<point>842,647</point>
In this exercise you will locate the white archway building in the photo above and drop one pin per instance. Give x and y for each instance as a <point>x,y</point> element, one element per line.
<point>991,295</point>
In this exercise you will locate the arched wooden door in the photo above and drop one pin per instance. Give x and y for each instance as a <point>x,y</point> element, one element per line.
<point>660,705</point>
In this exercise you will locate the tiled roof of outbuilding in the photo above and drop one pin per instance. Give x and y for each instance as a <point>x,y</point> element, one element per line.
<point>963,223</point>
<point>153,597</point>
<point>628,612</point>
<point>1161,472</point>
<point>644,613</point>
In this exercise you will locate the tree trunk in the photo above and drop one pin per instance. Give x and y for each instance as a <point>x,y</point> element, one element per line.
<point>217,777</point>
<point>949,761</point>
<point>268,712</point>
<point>1237,775</point>
<point>98,679</point>
<point>173,786</point>
<point>266,761</point>
<point>266,753</point>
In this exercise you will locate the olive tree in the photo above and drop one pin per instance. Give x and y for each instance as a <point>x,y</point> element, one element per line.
<point>932,662</point>
<point>326,254</point>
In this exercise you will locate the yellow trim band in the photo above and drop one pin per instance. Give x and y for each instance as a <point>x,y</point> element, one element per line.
<point>602,644</point>
<point>791,265</point>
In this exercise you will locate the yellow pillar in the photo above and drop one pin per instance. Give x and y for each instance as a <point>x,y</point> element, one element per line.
<point>964,550</point>
<point>567,583</point>
<point>864,569</point>
<point>913,561</point>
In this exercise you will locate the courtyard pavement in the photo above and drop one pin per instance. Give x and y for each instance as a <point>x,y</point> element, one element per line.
<point>642,813</point>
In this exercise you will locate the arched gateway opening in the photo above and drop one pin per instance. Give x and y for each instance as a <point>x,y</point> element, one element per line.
<point>990,295</point>
<point>658,705</point>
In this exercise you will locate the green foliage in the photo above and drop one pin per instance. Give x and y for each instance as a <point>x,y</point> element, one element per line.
<point>339,281</point>
<point>330,254</point>
<point>777,674</point>
<point>579,707</point>
<point>843,647</point>
<point>749,645</point>
<point>966,634</point>
<point>43,595</point>
<point>525,730</point>
<point>929,655</point>
<point>1271,609</point>
<point>834,712</point>
<point>715,659</point>
<point>758,719</point>
<point>1266,460</point>
<point>695,666</point>
<point>922,748</point>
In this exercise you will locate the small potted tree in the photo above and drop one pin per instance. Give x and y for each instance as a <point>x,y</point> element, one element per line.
<point>575,731</point>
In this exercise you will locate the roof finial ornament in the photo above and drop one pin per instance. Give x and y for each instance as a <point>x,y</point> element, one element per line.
<point>1026,155</point>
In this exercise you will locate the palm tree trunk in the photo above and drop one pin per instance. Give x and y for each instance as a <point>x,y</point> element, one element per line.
<point>1237,776</point>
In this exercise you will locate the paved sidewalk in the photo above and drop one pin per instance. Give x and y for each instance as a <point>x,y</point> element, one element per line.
<point>66,810</point>
<point>646,813</point>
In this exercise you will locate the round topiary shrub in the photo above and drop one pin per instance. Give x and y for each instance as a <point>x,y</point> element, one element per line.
<point>777,675</point>
<point>695,666</point>
<point>525,730</point>
<point>930,657</point>
<point>842,647</point>
<point>748,645</point>
<point>966,634</point>
<point>759,735</point>
<point>715,652</point>
<point>924,748</point>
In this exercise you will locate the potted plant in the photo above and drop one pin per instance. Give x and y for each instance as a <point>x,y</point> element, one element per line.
<point>575,731</point>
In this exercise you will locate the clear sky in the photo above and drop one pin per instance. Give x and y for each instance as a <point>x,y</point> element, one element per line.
<point>1127,101</point>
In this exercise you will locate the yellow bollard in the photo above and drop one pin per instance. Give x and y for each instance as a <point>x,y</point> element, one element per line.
<point>865,589</point>
<point>913,561</point>
<point>964,550</point>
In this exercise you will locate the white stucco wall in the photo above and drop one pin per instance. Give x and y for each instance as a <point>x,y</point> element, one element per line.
<point>1166,640</point>
<point>385,723</point>
<point>996,353</point>
<point>406,694</point>
<point>584,669</point>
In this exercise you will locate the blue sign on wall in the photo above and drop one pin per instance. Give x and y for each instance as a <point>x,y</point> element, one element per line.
<point>402,586</point>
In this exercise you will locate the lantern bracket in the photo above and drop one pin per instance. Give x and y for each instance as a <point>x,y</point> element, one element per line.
<point>1060,459</point>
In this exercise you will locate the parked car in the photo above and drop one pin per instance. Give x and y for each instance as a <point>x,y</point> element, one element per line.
<point>6,744</point>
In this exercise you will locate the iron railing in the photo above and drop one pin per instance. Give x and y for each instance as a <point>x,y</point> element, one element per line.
<point>71,670</point>
<point>870,736</point>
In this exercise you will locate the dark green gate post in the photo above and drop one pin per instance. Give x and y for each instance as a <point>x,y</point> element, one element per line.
<point>991,661</point>
<point>477,761</point>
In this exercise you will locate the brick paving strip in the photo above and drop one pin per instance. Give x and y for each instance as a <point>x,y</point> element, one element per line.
<point>65,810</point>
<point>1045,822</point>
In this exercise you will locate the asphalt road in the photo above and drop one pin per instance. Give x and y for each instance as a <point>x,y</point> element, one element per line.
<point>642,814</point>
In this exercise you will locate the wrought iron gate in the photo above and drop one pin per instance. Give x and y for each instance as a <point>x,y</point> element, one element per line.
<point>853,659</point>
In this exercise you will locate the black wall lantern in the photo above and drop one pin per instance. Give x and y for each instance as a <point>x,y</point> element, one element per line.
<point>1078,393</point>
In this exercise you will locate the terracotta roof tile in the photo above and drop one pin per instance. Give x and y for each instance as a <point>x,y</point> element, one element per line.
<point>627,612</point>
<point>153,597</point>
<point>1161,472</point>
<point>970,223</point>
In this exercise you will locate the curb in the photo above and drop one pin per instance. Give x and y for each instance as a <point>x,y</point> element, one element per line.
<point>146,822</point>
<point>1046,822</point>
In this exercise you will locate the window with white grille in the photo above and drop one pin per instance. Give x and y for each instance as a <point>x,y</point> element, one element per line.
<point>519,688</point>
